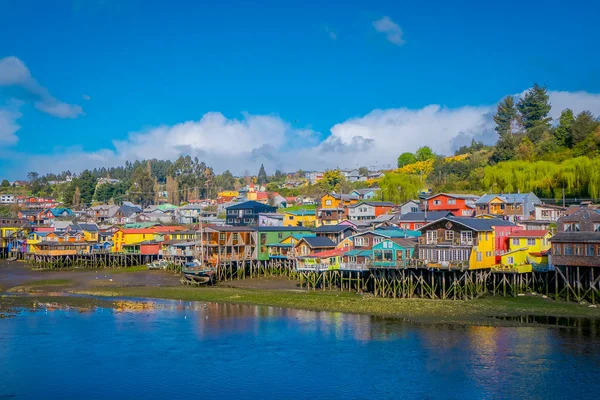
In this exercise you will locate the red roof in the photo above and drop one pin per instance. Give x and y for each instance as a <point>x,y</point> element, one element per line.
<point>330,253</point>
<point>531,233</point>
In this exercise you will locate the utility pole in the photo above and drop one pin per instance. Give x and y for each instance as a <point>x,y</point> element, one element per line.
<point>563,194</point>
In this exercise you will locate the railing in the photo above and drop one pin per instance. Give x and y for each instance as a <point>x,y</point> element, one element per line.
<point>312,267</point>
<point>442,241</point>
<point>353,266</point>
<point>412,263</point>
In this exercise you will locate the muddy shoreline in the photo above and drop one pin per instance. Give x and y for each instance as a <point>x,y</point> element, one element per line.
<point>138,283</point>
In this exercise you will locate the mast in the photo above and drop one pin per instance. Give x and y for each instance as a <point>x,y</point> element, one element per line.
<point>201,239</point>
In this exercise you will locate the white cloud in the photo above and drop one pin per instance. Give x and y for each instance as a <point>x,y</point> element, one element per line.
<point>9,115</point>
<point>86,97</point>
<point>374,139</point>
<point>332,34</point>
<point>392,30</point>
<point>14,72</point>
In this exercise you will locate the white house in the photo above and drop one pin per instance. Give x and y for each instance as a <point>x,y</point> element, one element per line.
<point>8,199</point>
<point>547,212</point>
<point>409,206</point>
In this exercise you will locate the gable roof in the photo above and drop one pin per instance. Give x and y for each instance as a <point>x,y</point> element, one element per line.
<point>251,204</point>
<point>328,253</point>
<point>365,191</point>
<point>283,229</point>
<point>89,227</point>
<point>333,228</point>
<point>373,204</point>
<point>528,233</point>
<point>477,224</point>
<point>455,196</point>
<point>420,216</point>
<point>507,198</point>
<point>318,241</point>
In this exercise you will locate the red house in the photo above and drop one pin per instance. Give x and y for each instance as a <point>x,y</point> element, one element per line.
<point>150,247</point>
<point>501,235</point>
<point>460,205</point>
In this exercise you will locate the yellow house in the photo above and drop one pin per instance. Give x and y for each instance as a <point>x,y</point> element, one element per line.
<point>10,229</point>
<point>300,218</point>
<point>527,248</point>
<point>333,200</point>
<point>90,232</point>
<point>131,236</point>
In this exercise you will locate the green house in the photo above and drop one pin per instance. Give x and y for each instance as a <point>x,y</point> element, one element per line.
<point>393,252</point>
<point>272,235</point>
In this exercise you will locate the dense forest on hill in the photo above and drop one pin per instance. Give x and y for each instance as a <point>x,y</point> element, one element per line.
<point>531,154</point>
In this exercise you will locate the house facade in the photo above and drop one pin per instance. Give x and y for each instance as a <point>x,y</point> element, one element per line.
<point>460,241</point>
<point>408,207</point>
<point>577,242</point>
<point>415,220</point>
<point>246,213</point>
<point>460,205</point>
<point>303,217</point>
<point>513,206</point>
<point>548,212</point>
<point>369,210</point>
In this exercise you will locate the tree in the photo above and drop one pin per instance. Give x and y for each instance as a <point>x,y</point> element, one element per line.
<point>583,125</point>
<point>505,116</point>
<point>76,197</point>
<point>534,107</point>
<point>525,150</point>
<point>262,178</point>
<point>142,186</point>
<point>87,185</point>
<point>32,176</point>
<point>5,183</point>
<point>363,171</point>
<point>563,131</point>
<point>332,177</point>
<point>406,159</point>
<point>424,153</point>
<point>399,188</point>
<point>505,149</point>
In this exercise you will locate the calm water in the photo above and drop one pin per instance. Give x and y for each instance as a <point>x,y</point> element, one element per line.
<point>207,351</point>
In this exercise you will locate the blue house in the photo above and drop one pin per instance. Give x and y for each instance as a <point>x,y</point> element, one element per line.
<point>393,252</point>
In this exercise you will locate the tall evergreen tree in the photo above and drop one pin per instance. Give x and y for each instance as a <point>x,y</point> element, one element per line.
<point>505,149</point>
<point>583,125</point>
<point>87,185</point>
<point>534,108</point>
<point>262,179</point>
<point>563,130</point>
<point>505,116</point>
<point>142,186</point>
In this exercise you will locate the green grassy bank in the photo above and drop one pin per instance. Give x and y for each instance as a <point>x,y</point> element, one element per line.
<point>474,311</point>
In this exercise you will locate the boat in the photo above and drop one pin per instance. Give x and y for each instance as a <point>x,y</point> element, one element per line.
<point>158,264</point>
<point>195,272</point>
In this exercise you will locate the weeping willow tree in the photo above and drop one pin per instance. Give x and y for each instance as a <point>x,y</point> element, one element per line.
<point>578,176</point>
<point>399,188</point>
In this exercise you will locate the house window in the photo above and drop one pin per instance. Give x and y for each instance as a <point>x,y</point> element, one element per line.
<point>405,226</point>
<point>596,227</point>
<point>530,242</point>
<point>366,241</point>
<point>479,256</point>
<point>572,227</point>
<point>589,250</point>
<point>280,235</point>
<point>437,202</point>
<point>556,249</point>
<point>510,260</point>
<point>515,241</point>
<point>545,213</point>
<point>417,226</point>
<point>488,253</point>
<point>327,202</point>
<point>449,236</point>
<point>352,259</point>
<point>263,239</point>
<point>387,255</point>
<point>578,250</point>
<point>486,236</point>
<point>377,240</point>
<point>304,250</point>
<point>431,237</point>
<point>414,209</point>
<point>291,218</point>
<point>466,237</point>
<point>568,249</point>
<point>359,241</point>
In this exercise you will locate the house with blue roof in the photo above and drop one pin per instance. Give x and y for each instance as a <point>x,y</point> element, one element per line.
<point>512,206</point>
<point>59,212</point>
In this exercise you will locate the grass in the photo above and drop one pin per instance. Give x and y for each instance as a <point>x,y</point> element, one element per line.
<point>474,311</point>
<point>48,282</point>
<point>126,270</point>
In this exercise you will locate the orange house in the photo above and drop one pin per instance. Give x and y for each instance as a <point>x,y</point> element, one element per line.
<point>460,205</point>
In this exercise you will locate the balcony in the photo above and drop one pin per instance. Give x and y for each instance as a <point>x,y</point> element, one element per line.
<point>423,240</point>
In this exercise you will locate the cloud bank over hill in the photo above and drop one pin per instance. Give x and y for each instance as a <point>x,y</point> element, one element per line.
<point>238,144</point>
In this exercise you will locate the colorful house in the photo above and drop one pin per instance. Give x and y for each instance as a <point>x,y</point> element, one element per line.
<point>322,261</point>
<point>334,200</point>
<point>516,206</point>
<point>128,236</point>
<point>330,216</point>
<point>272,235</point>
<point>285,248</point>
<point>394,252</point>
<point>302,217</point>
<point>369,210</point>
<point>460,242</point>
<point>58,213</point>
<point>310,245</point>
<point>460,205</point>
<point>527,248</point>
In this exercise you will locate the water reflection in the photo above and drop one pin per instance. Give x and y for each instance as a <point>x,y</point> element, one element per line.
<point>269,352</point>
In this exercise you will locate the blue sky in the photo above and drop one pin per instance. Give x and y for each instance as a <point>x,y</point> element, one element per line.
<point>294,84</point>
